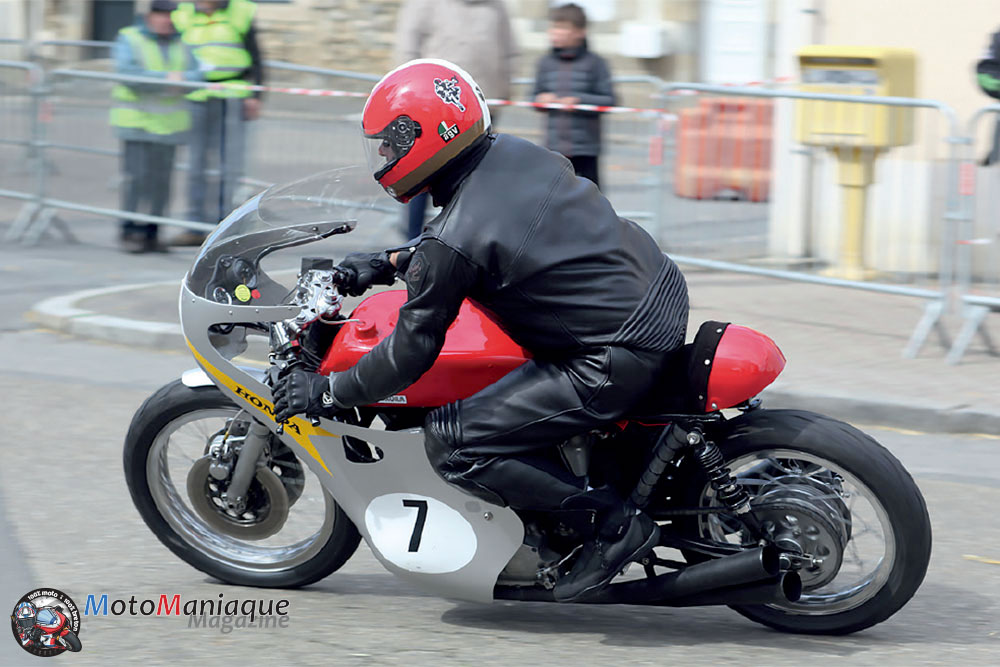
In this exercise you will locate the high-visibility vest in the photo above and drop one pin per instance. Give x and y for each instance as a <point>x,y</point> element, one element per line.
<point>217,41</point>
<point>157,112</point>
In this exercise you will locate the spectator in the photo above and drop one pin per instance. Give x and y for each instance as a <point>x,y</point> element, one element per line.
<point>150,119</point>
<point>571,74</point>
<point>475,35</point>
<point>988,77</point>
<point>224,40</point>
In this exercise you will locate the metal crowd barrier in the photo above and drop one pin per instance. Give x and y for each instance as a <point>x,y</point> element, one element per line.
<point>631,162</point>
<point>628,174</point>
<point>276,69</point>
<point>22,108</point>
<point>978,239</point>
<point>316,130</point>
<point>289,142</point>
<point>19,83</point>
<point>902,201</point>
<point>663,166</point>
<point>74,123</point>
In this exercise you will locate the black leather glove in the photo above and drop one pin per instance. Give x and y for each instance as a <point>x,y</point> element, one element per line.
<point>367,269</point>
<point>300,392</point>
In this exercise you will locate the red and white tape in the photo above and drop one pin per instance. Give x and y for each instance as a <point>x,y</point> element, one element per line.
<point>313,92</point>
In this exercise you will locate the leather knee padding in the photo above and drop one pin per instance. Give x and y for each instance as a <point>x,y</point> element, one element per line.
<point>442,434</point>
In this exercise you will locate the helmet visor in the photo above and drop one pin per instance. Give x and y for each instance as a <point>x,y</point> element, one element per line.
<point>386,147</point>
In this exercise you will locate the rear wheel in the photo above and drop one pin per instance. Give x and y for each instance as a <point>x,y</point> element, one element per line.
<point>829,490</point>
<point>171,486</point>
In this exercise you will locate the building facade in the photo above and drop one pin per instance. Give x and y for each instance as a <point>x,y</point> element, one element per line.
<point>357,35</point>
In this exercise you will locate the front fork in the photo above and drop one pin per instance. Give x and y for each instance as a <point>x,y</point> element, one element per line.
<point>235,496</point>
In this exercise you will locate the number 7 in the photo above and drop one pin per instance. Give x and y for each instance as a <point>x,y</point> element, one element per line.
<point>418,527</point>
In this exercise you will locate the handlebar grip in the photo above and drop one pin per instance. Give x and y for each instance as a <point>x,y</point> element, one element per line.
<point>344,276</point>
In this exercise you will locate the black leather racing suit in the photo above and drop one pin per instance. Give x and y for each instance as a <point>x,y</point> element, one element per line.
<point>588,293</point>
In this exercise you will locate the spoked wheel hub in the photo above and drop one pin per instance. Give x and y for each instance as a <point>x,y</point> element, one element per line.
<point>261,514</point>
<point>806,517</point>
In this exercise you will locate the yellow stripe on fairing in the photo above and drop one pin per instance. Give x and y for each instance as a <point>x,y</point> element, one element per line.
<point>301,434</point>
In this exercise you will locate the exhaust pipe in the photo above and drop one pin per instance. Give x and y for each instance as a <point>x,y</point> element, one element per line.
<point>747,567</point>
<point>749,577</point>
<point>785,588</point>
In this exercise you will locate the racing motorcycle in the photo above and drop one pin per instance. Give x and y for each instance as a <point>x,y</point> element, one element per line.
<point>47,629</point>
<point>793,519</point>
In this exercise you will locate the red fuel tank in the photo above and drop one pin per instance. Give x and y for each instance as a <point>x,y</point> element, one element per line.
<point>476,351</point>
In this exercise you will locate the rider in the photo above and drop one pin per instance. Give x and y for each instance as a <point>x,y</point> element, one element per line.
<point>588,293</point>
<point>26,613</point>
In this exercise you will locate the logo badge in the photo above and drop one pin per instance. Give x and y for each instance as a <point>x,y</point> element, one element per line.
<point>415,271</point>
<point>446,132</point>
<point>449,92</point>
<point>46,622</point>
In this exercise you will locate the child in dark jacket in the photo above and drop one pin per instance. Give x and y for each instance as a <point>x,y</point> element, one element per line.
<point>571,74</point>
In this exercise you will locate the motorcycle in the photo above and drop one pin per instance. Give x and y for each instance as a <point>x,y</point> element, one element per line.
<point>795,520</point>
<point>50,630</point>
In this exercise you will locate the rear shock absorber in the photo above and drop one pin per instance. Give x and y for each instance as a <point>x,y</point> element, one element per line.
<point>732,494</point>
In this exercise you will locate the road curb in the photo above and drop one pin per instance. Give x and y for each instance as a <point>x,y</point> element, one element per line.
<point>886,413</point>
<point>63,314</point>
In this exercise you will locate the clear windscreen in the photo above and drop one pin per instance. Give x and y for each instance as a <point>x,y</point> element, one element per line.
<point>318,210</point>
<point>46,617</point>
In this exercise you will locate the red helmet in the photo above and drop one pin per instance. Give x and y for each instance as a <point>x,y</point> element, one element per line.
<point>424,113</point>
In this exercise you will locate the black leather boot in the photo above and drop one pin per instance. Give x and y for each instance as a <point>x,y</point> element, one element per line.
<point>604,557</point>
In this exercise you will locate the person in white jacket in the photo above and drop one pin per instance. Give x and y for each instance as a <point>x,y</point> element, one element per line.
<point>475,35</point>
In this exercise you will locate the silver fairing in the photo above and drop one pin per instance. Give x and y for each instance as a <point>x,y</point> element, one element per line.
<point>420,527</point>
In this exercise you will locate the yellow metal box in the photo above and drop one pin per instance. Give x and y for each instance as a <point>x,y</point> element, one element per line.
<point>855,70</point>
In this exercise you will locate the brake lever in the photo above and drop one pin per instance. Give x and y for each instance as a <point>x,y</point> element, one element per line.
<point>345,280</point>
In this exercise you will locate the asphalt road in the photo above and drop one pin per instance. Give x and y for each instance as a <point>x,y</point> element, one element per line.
<point>69,524</point>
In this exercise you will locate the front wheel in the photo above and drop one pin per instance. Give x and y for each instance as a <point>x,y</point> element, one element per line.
<point>826,487</point>
<point>71,641</point>
<point>168,476</point>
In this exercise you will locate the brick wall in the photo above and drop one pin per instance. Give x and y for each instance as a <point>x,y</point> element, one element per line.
<point>357,35</point>
<point>354,35</point>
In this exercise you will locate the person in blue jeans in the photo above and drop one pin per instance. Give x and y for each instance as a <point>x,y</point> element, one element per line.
<point>223,37</point>
<point>150,119</point>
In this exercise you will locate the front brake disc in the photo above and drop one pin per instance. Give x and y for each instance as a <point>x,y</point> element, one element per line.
<point>266,508</point>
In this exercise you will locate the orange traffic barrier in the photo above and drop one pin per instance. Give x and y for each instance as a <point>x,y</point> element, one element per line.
<point>724,149</point>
